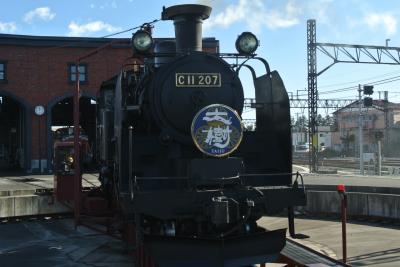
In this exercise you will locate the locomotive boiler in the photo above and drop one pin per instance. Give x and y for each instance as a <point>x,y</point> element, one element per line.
<point>175,154</point>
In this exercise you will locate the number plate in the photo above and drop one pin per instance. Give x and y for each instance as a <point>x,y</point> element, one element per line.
<point>198,80</point>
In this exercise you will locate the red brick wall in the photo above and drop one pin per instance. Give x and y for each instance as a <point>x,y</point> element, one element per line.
<point>40,74</point>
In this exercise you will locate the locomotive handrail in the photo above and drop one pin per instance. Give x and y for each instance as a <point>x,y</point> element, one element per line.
<point>295,183</point>
<point>266,65</point>
<point>253,73</point>
<point>243,174</point>
<point>248,102</point>
<point>223,180</point>
<point>235,55</point>
<point>269,174</point>
<point>162,178</point>
<point>297,174</point>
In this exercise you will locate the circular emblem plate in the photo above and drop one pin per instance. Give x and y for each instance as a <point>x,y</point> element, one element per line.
<point>217,130</point>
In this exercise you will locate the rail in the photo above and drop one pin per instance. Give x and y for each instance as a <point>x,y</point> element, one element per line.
<point>297,254</point>
<point>351,163</point>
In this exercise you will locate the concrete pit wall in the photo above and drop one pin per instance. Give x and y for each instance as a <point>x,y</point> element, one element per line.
<point>27,205</point>
<point>359,204</point>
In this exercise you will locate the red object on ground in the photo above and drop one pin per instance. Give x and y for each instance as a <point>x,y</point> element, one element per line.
<point>343,196</point>
<point>64,187</point>
<point>341,188</point>
<point>65,165</point>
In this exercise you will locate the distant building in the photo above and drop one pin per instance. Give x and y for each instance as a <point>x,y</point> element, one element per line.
<point>324,137</point>
<point>379,122</point>
<point>301,138</point>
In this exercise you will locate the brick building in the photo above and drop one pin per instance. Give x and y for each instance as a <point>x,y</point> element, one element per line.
<point>38,72</point>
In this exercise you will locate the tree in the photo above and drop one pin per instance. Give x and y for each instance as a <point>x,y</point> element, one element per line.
<point>301,123</point>
<point>325,121</point>
<point>347,140</point>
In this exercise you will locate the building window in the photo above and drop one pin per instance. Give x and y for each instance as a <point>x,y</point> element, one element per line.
<point>3,69</point>
<point>82,72</point>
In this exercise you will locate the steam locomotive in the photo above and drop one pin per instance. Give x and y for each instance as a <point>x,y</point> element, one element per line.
<point>176,157</point>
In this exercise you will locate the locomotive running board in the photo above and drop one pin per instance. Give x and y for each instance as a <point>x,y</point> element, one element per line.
<point>230,252</point>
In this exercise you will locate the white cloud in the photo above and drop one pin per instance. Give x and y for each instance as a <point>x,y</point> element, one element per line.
<point>377,20</point>
<point>7,27</point>
<point>321,10</point>
<point>114,4</point>
<point>256,15</point>
<point>92,5</point>
<point>43,13</point>
<point>76,29</point>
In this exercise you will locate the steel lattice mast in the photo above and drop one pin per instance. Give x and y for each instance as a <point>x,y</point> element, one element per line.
<point>312,91</point>
<point>339,53</point>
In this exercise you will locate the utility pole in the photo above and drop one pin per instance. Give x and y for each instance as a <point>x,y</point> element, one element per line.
<point>360,130</point>
<point>386,116</point>
<point>379,158</point>
<point>299,131</point>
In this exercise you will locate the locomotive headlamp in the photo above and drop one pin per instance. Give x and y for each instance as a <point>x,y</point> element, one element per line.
<point>142,41</point>
<point>246,43</point>
<point>70,160</point>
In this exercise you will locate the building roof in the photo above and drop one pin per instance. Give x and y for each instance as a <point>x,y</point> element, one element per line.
<point>57,41</point>
<point>30,40</point>
<point>377,104</point>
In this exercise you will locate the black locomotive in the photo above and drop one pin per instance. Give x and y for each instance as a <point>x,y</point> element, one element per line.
<point>195,205</point>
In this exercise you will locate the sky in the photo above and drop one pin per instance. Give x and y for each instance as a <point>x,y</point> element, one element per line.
<point>280,25</point>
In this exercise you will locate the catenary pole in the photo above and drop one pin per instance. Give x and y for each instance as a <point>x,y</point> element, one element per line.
<point>360,132</point>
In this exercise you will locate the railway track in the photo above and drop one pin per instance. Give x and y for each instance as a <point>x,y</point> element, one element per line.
<point>297,254</point>
<point>351,163</point>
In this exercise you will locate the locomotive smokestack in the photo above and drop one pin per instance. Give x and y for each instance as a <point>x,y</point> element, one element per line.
<point>188,21</point>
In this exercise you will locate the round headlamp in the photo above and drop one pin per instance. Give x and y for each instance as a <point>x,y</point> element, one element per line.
<point>142,41</point>
<point>246,43</point>
<point>70,160</point>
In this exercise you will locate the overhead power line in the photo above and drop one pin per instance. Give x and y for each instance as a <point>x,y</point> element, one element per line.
<point>105,36</point>
<point>131,29</point>
<point>349,88</point>
<point>357,81</point>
